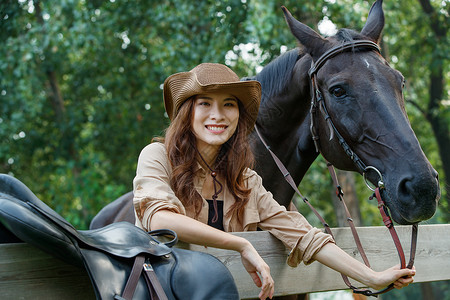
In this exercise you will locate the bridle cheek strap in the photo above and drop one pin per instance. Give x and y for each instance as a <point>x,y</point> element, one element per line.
<point>318,102</point>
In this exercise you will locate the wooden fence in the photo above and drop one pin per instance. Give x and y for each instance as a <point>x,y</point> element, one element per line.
<point>28,273</point>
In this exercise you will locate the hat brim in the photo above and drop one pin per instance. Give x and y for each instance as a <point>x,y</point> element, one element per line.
<point>181,86</point>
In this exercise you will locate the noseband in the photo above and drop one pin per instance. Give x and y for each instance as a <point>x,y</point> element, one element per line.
<point>318,105</point>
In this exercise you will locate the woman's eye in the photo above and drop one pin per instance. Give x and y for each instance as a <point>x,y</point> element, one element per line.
<point>338,92</point>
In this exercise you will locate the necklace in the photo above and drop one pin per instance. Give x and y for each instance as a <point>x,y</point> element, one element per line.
<point>216,191</point>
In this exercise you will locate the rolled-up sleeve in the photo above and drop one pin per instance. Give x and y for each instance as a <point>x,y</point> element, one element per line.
<point>151,186</point>
<point>290,227</point>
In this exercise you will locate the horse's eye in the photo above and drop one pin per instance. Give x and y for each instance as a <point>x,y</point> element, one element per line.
<point>338,92</point>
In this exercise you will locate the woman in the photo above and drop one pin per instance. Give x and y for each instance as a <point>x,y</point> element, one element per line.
<point>199,182</point>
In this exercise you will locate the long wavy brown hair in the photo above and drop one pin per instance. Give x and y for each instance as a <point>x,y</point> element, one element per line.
<point>234,158</point>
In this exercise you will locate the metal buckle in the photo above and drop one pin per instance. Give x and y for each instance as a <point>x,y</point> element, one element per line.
<point>368,184</point>
<point>148,267</point>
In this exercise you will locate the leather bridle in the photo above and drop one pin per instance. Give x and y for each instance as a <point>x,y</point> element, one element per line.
<point>318,103</point>
<point>318,106</point>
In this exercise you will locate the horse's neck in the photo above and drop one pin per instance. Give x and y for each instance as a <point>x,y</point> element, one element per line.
<point>283,121</point>
<point>282,110</point>
<point>296,155</point>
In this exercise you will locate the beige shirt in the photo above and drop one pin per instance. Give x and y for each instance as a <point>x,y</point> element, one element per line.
<point>152,192</point>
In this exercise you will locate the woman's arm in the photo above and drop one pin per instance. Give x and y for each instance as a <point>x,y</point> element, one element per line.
<point>195,232</point>
<point>335,258</point>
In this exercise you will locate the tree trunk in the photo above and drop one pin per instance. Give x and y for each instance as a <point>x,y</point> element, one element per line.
<point>347,181</point>
<point>427,291</point>
<point>56,98</point>
<point>439,125</point>
<point>57,101</point>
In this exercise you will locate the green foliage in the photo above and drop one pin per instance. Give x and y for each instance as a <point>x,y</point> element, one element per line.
<point>80,84</point>
<point>108,61</point>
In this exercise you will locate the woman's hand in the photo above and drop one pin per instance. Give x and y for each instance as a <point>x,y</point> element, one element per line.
<point>258,270</point>
<point>400,277</point>
<point>335,258</point>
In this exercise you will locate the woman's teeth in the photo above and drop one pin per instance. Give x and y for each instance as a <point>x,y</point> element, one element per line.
<point>216,128</point>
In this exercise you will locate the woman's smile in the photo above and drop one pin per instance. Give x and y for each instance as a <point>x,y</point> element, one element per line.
<point>215,119</point>
<point>216,129</point>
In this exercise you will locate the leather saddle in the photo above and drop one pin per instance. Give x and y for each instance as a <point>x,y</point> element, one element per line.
<point>123,261</point>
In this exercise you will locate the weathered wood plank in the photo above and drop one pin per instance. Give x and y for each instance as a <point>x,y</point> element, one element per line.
<point>432,258</point>
<point>28,273</point>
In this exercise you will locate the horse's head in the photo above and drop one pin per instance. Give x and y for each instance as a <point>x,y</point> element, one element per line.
<point>364,99</point>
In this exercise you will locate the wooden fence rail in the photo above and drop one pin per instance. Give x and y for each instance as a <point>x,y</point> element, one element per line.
<point>28,273</point>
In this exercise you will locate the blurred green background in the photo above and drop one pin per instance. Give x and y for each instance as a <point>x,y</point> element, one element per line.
<point>80,85</point>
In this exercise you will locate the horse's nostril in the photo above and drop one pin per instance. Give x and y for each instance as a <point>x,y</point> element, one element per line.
<point>406,187</point>
<point>417,197</point>
<point>409,186</point>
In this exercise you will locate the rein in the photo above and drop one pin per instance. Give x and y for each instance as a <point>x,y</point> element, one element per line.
<point>318,104</point>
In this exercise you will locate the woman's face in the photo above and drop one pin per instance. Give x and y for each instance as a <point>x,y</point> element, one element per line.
<point>215,119</point>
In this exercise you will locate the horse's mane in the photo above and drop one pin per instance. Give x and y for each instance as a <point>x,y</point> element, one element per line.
<point>347,35</point>
<point>277,74</point>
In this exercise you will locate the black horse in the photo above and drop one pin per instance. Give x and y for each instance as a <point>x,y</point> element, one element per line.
<point>364,99</point>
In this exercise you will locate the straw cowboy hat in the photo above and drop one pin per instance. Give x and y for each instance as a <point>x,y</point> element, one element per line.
<point>210,78</point>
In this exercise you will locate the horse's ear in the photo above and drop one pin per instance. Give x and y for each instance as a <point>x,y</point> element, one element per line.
<point>313,42</point>
<point>375,22</point>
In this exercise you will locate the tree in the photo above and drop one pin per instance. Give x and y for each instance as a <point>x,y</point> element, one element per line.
<point>437,112</point>
<point>80,84</point>
<point>81,89</point>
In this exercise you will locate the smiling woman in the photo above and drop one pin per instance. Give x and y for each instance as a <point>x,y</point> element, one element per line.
<point>198,181</point>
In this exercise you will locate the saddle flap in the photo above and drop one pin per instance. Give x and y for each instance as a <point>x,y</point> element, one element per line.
<point>109,275</point>
<point>120,239</point>
<point>123,239</point>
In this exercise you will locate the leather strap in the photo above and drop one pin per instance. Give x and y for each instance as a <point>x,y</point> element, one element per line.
<point>290,180</point>
<point>340,195</point>
<point>156,290</point>
<point>133,279</point>
<point>318,103</point>
<point>339,49</point>
<point>154,286</point>
<point>390,225</point>
<point>164,232</point>
<point>383,210</point>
